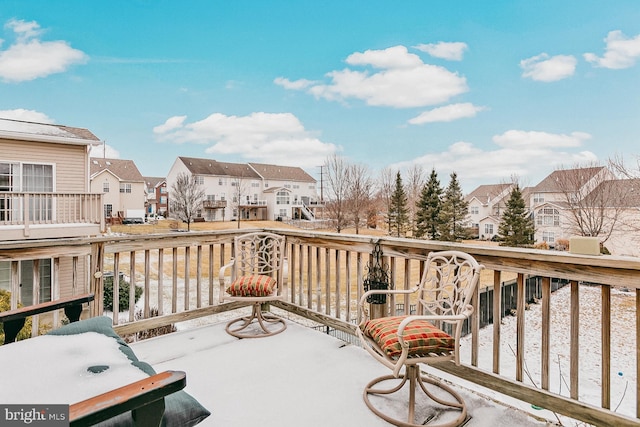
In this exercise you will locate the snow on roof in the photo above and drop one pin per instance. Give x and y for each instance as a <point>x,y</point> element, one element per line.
<point>43,130</point>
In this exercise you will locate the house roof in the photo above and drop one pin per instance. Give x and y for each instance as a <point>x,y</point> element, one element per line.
<point>213,167</point>
<point>620,193</point>
<point>245,170</point>
<point>154,181</point>
<point>124,170</point>
<point>487,193</point>
<point>290,173</point>
<point>551,183</point>
<point>45,132</point>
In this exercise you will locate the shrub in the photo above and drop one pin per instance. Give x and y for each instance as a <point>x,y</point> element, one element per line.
<point>5,305</point>
<point>541,245</point>
<point>562,245</point>
<point>149,333</point>
<point>123,288</point>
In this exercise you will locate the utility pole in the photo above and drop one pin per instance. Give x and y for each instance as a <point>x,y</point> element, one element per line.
<point>321,184</point>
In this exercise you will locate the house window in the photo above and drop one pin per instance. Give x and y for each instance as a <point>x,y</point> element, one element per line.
<point>105,187</point>
<point>538,198</point>
<point>108,210</point>
<point>221,181</point>
<point>163,200</point>
<point>474,210</point>
<point>163,190</point>
<point>25,272</point>
<point>548,216</point>
<point>488,229</point>
<point>125,187</point>
<point>199,180</point>
<point>37,178</point>
<point>27,177</point>
<point>548,236</point>
<point>282,198</point>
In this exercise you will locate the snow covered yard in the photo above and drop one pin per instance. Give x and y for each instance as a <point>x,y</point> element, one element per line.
<point>623,372</point>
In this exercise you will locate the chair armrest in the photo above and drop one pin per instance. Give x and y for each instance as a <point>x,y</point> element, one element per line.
<point>363,298</point>
<point>145,398</point>
<point>364,312</point>
<point>221,276</point>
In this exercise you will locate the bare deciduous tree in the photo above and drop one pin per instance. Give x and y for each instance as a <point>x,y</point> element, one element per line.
<point>414,184</point>
<point>239,192</point>
<point>619,166</point>
<point>359,193</point>
<point>386,184</point>
<point>186,197</point>
<point>595,199</point>
<point>337,188</point>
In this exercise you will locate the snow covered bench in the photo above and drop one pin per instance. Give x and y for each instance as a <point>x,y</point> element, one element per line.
<point>88,366</point>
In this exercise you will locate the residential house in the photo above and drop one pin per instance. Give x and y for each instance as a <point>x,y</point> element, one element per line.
<point>486,204</point>
<point>122,185</point>
<point>550,200</point>
<point>607,207</point>
<point>45,193</point>
<point>249,191</point>
<point>157,196</point>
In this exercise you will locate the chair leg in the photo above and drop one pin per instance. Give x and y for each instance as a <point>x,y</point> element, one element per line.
<point>413,376</point>
<point>258,317</point>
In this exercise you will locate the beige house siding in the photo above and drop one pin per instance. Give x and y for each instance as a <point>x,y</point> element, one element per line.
<point>70,161</point>
<point>77,213</point>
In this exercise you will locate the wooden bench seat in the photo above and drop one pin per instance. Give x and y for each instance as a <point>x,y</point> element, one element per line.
<point>13,320</point>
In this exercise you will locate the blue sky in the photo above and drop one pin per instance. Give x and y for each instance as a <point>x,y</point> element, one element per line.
<point>486,89</point>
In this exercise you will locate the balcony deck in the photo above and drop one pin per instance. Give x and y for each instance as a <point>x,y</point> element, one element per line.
<point>178,275</point>
<point>299,377</point>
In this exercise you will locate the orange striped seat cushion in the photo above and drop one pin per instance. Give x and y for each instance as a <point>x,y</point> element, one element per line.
<point>423,337</point>
<point>252,286</point>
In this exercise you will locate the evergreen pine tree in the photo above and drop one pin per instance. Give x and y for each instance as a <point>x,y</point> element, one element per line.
<point>453,212</point>
<point>398,212</point>
<point>516,225</point>
<point>428,212</point>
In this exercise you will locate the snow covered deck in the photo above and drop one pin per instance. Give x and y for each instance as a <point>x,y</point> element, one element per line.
<point>300,377</point>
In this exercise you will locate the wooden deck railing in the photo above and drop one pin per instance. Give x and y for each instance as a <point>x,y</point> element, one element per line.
<point>26,210</point>
<point>178,274</point>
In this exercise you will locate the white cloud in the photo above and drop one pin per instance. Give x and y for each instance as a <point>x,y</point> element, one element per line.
<point>527,154</point>
<point>172,123</point>
<point>621,51</point>
<point>30,58</point>
<point>393,57</point>
<point>527,139</point>
<point>401,80</point>
<point>448,113</point>
<point>104,151</point>
<point>26,116</point>
<point>299,84</point>
<point>548,69</point>
<point>452,51</point>
<point>277,138</point>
